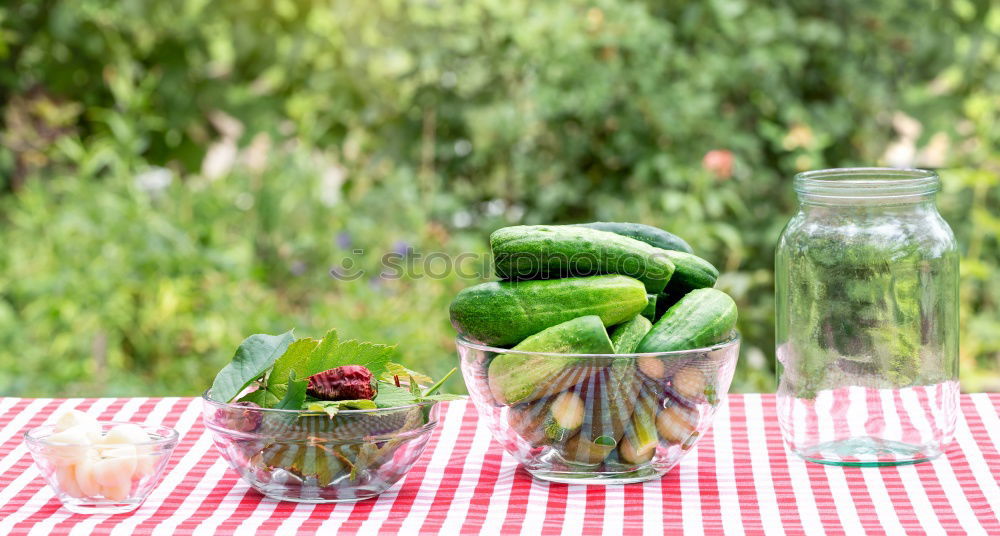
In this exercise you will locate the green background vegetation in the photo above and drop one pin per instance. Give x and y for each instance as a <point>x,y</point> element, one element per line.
<point>176,175</point>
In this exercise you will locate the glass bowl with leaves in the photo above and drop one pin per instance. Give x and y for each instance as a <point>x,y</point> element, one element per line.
<point>323,420</point>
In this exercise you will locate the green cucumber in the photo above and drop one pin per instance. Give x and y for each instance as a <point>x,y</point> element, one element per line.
<point>550,251</point>
<point>583,451</point>
<point>529,420</point>
<point>690,272</point>
<point>677,424</point>
<point>653,236</point>
<point>620,392</point>
<point>609,397</point>
<point>666,299</point>
<point>650,311</point>
<point>626,337</point>
<point>516,378</point>
<point>701,318</point>
<point>506,312</point>
<point>565,417</point>
<point>641,436</point>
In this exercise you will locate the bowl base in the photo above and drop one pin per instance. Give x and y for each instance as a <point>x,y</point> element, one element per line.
<point>99,506</point>
<point>604,478</point>
<point>868,452</point>
<point>318,501</point>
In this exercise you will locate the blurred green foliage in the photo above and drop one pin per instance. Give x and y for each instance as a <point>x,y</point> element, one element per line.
<point>180,174</point>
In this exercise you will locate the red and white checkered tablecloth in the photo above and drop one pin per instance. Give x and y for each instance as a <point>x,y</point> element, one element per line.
<point>739,480</point>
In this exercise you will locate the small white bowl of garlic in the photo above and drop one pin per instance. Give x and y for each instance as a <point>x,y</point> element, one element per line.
<point>100,467</point>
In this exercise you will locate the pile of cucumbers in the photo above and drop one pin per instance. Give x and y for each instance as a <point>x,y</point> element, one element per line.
<point>597,288</point>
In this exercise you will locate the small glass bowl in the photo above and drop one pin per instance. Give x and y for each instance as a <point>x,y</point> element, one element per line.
<point>601,418</point>
<point>307,456</point>
<point>102,478</point>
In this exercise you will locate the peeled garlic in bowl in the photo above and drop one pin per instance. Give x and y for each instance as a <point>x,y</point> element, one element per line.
<point>90,463</point>
<point>105,467</point>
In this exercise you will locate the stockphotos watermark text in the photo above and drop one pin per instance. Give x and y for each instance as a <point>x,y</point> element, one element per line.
<point>412,264</point>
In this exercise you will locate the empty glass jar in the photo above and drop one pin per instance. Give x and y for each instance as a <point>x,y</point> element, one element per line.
<point>867,319</point>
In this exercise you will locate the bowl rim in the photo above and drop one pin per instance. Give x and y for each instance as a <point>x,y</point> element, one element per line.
<point>169,436</point>
<point>304,412</point>
<point>733,340</point>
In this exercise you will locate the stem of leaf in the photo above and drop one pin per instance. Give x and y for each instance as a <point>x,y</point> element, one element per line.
<point>430,390</point>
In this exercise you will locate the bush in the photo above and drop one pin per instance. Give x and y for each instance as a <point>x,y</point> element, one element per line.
<point>285,125</point>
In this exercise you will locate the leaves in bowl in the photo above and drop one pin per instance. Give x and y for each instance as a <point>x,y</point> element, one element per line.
<point>282,366</point>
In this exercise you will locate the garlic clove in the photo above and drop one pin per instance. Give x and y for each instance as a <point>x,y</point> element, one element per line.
<point>75,418</point>
<point>76,435</point>
<point>69,446</point>
<point>117,468</point>
<point>145,466</point>
<point>119,451</point>
<point>118,492</point>
<point>66,479</point>
<point>65,456</point>
<point>125,434</point>
<point>84,473</point>
<point>116,450</point>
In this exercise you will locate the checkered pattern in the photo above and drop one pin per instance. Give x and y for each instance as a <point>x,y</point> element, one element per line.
<point>739,480</point>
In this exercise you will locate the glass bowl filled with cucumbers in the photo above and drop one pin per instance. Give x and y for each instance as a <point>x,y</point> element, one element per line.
<point>602,353</point>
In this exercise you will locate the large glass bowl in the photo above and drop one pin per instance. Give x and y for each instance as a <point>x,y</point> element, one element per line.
<point>307,456</point>
<point>601,419</point>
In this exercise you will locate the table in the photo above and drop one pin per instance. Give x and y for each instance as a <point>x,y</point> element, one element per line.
<point>739,480</point>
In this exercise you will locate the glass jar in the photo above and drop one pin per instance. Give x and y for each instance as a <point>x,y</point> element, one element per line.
<point>866,289</point>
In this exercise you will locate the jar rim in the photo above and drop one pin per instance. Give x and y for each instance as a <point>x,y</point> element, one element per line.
<point>866,183</point>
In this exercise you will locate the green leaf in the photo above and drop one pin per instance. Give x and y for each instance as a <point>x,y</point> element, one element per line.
<point>295,358</point>
<point>390,396</point>
<point>295,394</point>
<point>326,347</point>
<point>332,407</point>
<point>372,356</point>
<point>395,369</point>
<point>263,398</point>
<point>254,356</point>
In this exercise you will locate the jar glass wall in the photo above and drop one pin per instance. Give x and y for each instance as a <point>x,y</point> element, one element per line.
<point>866,287</point>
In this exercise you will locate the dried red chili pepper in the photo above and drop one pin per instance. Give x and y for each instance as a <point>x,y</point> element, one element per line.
<point>349,382</point>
